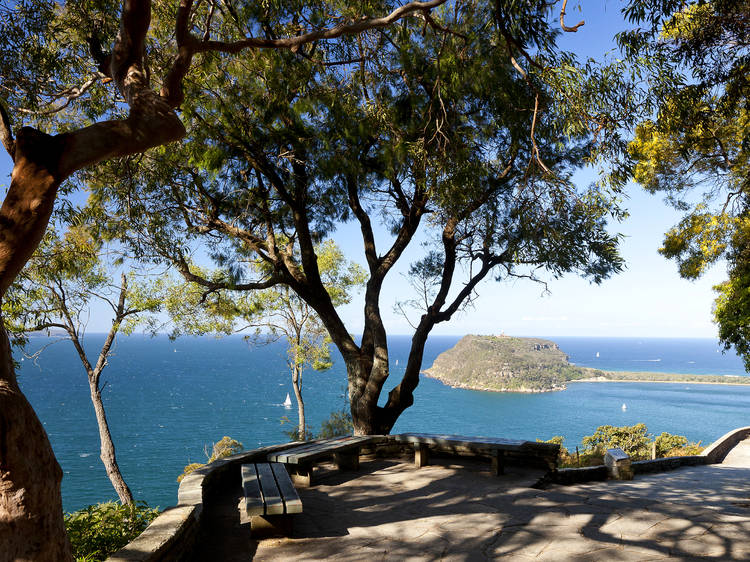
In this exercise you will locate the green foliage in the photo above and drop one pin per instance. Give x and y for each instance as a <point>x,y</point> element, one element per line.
<point>672,377</point>
<point>338,424</point>
<point>68,273</point>
<point>693,58</point>
<point>633,439</point>
<point>294,434</point>
<point>271,313</point>
<point>224,447</point>
<point>193,466</point>
<point>429,139</point>
<point>99,530</point>
<point>667,442</point>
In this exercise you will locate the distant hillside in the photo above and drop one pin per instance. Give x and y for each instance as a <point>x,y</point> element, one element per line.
<point>506,364</point>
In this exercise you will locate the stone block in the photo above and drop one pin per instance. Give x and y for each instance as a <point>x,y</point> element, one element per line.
<point>618,464</point>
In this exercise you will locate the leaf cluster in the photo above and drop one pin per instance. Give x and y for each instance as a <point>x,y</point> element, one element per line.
<point>99,530</point>
<point>224,447</point>
<point>697,139</point>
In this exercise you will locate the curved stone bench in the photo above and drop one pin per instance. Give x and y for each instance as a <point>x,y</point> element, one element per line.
<point>173,533</point>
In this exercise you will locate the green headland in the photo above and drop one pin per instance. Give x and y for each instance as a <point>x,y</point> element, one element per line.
<point>510,364</point>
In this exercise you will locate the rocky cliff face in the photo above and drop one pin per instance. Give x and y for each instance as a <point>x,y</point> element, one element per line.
<point>504,364</point>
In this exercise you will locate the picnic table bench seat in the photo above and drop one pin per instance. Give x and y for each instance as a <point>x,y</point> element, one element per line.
<point>494,447</point>
<point>269,498</point>
<point>301,459</point>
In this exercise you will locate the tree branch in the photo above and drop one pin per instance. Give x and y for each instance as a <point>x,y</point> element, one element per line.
<point>69,94</point>
<point>6,133</point>
<point>562,20</point>
<point>188,45</point>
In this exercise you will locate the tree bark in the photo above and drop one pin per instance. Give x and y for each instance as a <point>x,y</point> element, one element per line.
<point>302,429</point>
<point>107,448</point>
<point>31,516</point>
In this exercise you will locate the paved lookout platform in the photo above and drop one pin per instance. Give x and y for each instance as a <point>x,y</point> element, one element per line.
<point>455,509</point>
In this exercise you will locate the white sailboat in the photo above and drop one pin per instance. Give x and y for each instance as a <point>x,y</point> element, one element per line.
<point>288,401</point>
<point>624,407</point>
<point>597,354</point>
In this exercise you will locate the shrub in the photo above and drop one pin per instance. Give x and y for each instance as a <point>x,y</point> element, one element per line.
<point>188,469</point>
<point>225,447</point>
<point>687,450</point>
<point>668,445</point>
<point>99,530</point>
<point>293,433</point>
<point>633,439</point>
<point>338,424</point>
<point>667,442</point>
<point>570,459</point>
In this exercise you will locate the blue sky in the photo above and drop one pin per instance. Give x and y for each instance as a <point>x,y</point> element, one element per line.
<point>649,299</point>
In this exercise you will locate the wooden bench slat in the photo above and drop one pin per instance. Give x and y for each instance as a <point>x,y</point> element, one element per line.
<point>271,495</point>
<point>464,441</point>
<point>292,501</point>
<point>292,452</point>
<point>315,450</point>
<point>251,490</point>
<point>497,447</point>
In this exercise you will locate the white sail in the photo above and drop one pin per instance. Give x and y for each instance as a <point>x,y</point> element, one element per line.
<point>288,401</point>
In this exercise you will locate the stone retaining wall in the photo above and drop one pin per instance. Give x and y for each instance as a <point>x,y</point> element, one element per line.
<point>716,452</point>
<point>712,454</point>
<point>667,463</point>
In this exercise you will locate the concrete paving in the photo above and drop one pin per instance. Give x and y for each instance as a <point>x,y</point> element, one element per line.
<point>456,510</point>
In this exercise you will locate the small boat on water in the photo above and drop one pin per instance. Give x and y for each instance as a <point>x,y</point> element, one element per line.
<point>597,354</point>
<point>288,401</point>
<point>624,407</point>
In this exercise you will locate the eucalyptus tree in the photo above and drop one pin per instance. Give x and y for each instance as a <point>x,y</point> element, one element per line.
<point>460,130</point>
<point>56,290</point>
<point>270,314</point>
<point>83,103</point>
<point>695,145</point>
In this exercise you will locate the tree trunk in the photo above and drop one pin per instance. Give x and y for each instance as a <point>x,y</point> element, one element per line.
<point>31,515</point>
<point>366,379</point>
<point>107,449</point>
<point>367,417</point>
<point>302,429</point>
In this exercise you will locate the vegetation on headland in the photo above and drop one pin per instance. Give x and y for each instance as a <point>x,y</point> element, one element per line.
<point>629,376</point>
<point>506,364</point>
<point>633,439</point>
<point>509,364</point>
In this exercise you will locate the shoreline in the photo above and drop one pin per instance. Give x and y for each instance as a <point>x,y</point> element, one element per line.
<point>736,383</point>
<point>623,377</point>
<point>664,378</point>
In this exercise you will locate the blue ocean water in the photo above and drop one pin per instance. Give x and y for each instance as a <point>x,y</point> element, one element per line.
<point>167,401</point>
